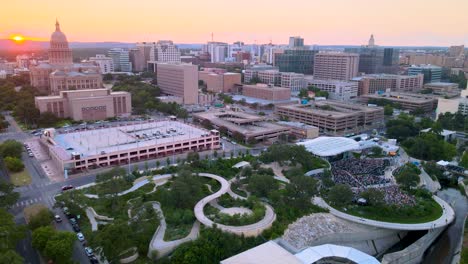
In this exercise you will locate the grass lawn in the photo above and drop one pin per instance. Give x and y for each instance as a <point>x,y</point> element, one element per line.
<point>431,211</point>
<point>32,210</point>
<point>20,178</point>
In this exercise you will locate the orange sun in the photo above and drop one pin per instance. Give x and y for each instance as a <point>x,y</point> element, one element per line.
<point>17,38</point>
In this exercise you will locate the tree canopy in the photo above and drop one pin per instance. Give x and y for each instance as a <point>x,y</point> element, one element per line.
<point>340,195</point>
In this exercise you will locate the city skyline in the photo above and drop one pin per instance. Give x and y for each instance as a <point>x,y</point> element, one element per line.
<point>394,23</point>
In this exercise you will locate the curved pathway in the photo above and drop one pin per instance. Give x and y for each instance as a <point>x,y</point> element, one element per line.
<point>448,215</point>
<point>247,230</point>
<point>165,247</point>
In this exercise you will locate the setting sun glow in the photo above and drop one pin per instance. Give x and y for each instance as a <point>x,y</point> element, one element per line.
<point>17,38</point>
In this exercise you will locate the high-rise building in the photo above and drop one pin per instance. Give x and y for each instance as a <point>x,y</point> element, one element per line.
<point>296,60</point>
<point>374,59</point>
<point>431,73</point>
<point>23,61</point>
<point>165,51</point>
<point>295,42</point>
<point>106,64</point>
<point>178,79</point>
<point>336,66</point>
<point>121,59</point>
<point>218,50</point>
<point>137,59</point>
<point>60,73</point>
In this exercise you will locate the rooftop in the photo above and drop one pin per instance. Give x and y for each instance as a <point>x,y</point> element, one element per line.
<point>403,97</point>
<point>329,146</point>
<point>314,254</point>
<point>94,142</point>
<point>268,252</point>
<point>252,100</point>
<point>331,108</point>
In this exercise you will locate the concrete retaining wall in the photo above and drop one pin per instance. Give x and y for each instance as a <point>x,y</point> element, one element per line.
<point>415,252</point>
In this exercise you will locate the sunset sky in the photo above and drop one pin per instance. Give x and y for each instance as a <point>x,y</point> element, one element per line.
<point>323,22</point>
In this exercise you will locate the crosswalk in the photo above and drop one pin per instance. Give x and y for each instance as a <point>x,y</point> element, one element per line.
<point>33,186</point>
<point>49,201</point>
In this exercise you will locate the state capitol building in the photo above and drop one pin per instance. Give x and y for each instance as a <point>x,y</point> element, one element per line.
<point>60,73</point>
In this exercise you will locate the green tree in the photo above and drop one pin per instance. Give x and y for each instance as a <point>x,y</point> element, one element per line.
<point>10,233</point>
<point>41,236</point>
<point>408,177</point>
<point>373,196</point>
<point>43,218</point>
<point>10,257</point>
<point>464,160</point>
<point>13,164</point>
<point>303,93</point>
<point>60,247</point>
<point>340,195</point>
<point>300,191</point>
<point>388,110</point>
<point>11,148</point>
<point>47,119</point>
<point>8,196</point>
<point>262,185</point>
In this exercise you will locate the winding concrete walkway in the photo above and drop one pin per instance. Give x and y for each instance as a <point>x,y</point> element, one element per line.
<point>247,230</point>
<point>448,215</point>
<point>165,247</point>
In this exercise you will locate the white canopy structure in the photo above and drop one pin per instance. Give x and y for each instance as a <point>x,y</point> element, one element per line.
<point>329,146</point>
<point>314,254</point>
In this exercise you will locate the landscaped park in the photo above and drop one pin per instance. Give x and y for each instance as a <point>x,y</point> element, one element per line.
<point>203,211</point>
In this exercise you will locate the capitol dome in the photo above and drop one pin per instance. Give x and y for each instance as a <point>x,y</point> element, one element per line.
<point>58,35</point>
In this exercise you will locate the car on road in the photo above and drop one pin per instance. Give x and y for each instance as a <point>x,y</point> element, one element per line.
<point>57,218</point>
<point>67,187</point>
<point>80,236</point>
<point>89,251</point>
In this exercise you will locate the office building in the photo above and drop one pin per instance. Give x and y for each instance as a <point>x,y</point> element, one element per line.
<point>336,66</point>
<point>375,59</point>
<point>295,42</point>
<point>266,92</point>
<point>218,51</point>
<point>252,72</point>
<point>121,59</point>
<point>293,81</point>
<point>87,105</point>
<point>81,151</point>
<point>165,51</point>
<point>137,59</point>
<point>337,90</point>
<point>60,73</point>
<point>23,61</point>
<point>178,79</point>
<point>442,88</point>
<point>408,101</point>
<point>333,117</point>
<point>106,64</point>
<point>220,81</point>
<point>248,125</point>
<point>379,83</point>
<point>431,73</point>
<point>296,60</point>
<point>3,74</point>
<point>8,67</point>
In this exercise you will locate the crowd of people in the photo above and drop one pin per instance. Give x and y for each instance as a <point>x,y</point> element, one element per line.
<point>392,195</point>
<point>360,172</point>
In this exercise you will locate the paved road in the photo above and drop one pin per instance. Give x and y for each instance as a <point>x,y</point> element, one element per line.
<point>447,217</point>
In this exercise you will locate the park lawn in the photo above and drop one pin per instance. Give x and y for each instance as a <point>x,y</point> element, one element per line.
<point>21,178</point>
<point>32,210</point>
<point>377,213</point>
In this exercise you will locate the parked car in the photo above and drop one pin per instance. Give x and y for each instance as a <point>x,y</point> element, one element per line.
<point>89,251</point>
<point>30,154</point>
<point>66,211</point>
<point>73,221</point>
<point>58,219</point>
<point>80,236</point>
<point>67,187</point>
<point>76,228</point>
<point>93,260</point>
